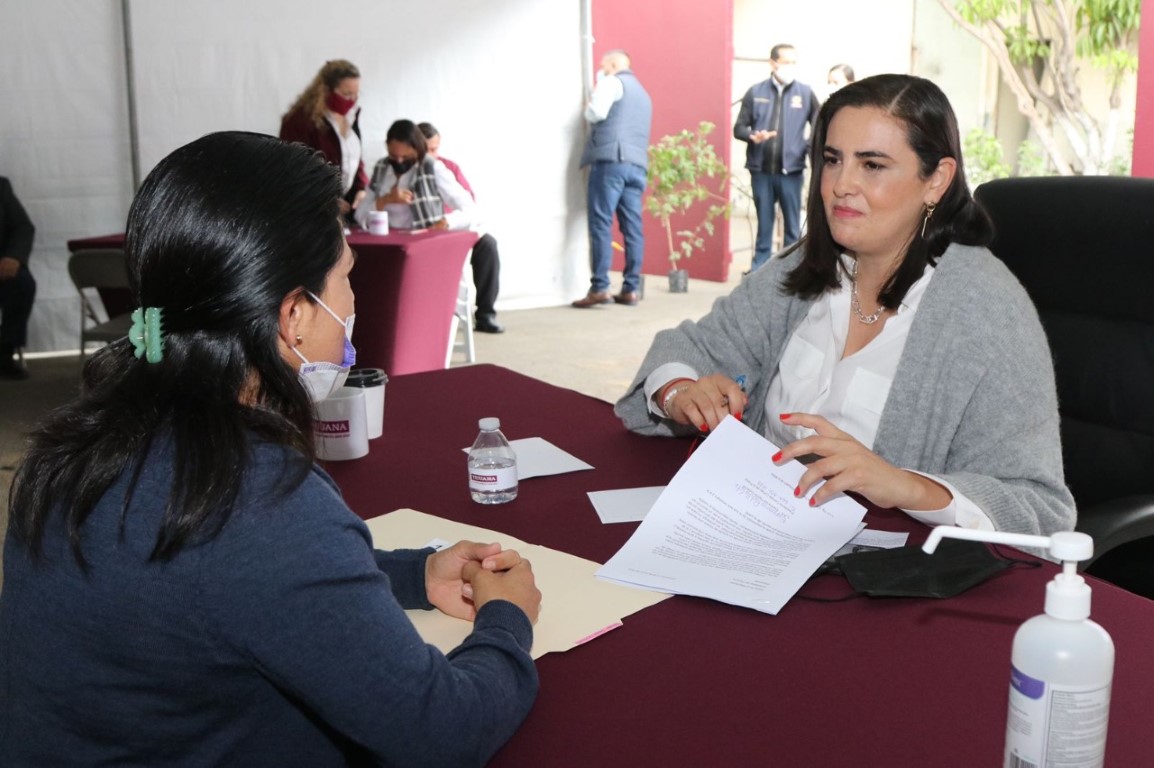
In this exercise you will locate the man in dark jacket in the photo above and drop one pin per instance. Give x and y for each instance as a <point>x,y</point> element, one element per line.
<point>773,120</point>
<point>17,288</point>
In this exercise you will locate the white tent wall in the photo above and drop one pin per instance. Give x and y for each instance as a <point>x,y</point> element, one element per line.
<point>501,79</point>
<point>63,140</point>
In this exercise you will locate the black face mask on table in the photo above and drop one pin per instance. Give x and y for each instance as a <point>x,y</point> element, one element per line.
<point>956,566</point>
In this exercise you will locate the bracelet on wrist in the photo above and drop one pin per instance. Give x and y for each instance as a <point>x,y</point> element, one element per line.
<point>672,390</point>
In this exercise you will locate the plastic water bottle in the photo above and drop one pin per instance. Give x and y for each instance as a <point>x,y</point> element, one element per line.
<point>492,465</point>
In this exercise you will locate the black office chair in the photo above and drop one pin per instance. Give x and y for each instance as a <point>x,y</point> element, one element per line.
<point>1082,247</point>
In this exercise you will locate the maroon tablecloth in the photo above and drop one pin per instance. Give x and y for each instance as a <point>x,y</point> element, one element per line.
<point>406,287</point>
<point>691,682</point>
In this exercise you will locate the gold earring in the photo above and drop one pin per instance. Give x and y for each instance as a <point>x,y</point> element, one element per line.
<point>929,214</point>
<point>299,339</point>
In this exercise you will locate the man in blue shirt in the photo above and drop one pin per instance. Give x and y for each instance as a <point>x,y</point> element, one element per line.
<point>620,113</point>
<point>773,121</point>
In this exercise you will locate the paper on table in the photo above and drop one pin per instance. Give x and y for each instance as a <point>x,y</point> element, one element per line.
<point>874,539</point>
<point>536,456</point>
<point>728,527</point>
<point>626,505</point>
<point>575,606</point>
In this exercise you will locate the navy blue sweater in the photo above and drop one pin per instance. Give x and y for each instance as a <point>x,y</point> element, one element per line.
<point>280,642</point>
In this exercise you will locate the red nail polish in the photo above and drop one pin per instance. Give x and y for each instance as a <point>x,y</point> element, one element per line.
<point>776,457</point>
<point>813,501</point>
<point>737,415</point>
<point>784,416</point>
<point>797,492</point>
<point>704,428</point>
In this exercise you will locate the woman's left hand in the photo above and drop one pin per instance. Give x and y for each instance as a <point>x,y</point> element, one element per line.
<point>444,581</point>
<point>847,465</point>
<point>441,224</point>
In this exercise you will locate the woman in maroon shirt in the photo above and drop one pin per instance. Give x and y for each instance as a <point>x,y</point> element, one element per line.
<point>326,117</point>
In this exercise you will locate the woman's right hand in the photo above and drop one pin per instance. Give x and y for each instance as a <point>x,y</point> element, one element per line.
<point>516,585</point>
<point>399,196</point>
<point>705,402</point>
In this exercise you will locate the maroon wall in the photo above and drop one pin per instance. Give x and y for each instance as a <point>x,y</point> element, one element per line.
<point>682,52</point>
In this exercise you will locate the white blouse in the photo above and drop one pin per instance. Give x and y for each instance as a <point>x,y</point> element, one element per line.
<point>350,147</point>
<point>814,377</point>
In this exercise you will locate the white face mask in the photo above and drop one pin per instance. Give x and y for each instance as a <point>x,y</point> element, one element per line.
<point>785,73</point>
<point>321,379</point>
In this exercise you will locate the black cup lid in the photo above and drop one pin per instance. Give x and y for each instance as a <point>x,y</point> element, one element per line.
<point>366,377</point>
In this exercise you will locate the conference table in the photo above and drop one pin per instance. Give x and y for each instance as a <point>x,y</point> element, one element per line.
<point>406,284</point>
<point>692,682</point>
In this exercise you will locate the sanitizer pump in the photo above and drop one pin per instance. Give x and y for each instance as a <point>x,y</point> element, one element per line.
<point>1062,663</point>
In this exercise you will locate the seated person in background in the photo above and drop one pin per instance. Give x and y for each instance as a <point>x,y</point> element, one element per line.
<point>17,288</point>
<point>416,189</point>
<point>486,260</point>
<point>182,583</point>
<point>327,118</point>
<point>889,344</point>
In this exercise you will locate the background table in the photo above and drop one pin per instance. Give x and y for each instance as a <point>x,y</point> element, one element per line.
<point>691,682</point>
<point>406,286</point>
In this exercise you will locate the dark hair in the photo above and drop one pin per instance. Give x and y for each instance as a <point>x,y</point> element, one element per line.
<point>428,130</point>
<point>775,51</point>
<point>845,69</point>
<point>932,133</point>
<point>220,233</point>
<point>406,131</point>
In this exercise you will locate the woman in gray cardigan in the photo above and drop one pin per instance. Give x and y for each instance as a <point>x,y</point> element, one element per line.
<point>890,348</point>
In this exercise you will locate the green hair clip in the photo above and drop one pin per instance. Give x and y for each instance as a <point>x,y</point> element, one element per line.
<point>147,333</point>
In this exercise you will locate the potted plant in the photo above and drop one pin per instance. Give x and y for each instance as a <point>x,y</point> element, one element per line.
<point>682,167</point>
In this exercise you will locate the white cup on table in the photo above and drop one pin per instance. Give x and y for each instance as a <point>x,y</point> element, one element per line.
<point>378,222</point>
<point>340,429</point>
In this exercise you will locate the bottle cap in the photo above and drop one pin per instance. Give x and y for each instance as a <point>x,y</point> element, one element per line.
<point>489,424</point>
<point>1068,596</point>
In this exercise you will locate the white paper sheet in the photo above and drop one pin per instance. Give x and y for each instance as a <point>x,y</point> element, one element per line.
<point>728,527</point>
<point>626,505</point>
<point>875,539</point>
<point>537,457</point>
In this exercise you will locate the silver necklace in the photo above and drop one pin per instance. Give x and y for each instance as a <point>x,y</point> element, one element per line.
<point>855,305</point>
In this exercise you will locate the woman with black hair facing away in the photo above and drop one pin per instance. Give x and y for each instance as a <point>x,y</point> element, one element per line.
<point>889,345</point>
<point>326,117</point>
<point>183,585</point>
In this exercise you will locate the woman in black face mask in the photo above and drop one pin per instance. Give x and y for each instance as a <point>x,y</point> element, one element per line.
<point>415,188</point>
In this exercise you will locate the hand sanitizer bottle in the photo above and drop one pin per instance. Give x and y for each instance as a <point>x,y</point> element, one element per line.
<point>1062,663</point>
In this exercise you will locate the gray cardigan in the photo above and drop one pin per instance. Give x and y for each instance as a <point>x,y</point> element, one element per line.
<point>973,400</point>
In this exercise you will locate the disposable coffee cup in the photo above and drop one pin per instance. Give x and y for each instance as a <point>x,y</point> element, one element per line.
<point>372,381</point>
<point>379,222</point>
<point>339,430</point>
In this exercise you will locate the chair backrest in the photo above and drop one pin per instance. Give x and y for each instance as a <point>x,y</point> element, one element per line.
<point>1081,247</point>
<point>98,268</point>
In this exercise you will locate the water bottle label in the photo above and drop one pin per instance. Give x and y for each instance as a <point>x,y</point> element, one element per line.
<point>1055,723</point>
<point>492,478</point>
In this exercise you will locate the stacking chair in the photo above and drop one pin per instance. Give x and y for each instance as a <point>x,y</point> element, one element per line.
<point>1081,247</point>
<point>95,269</point>
<point>463,319</point>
